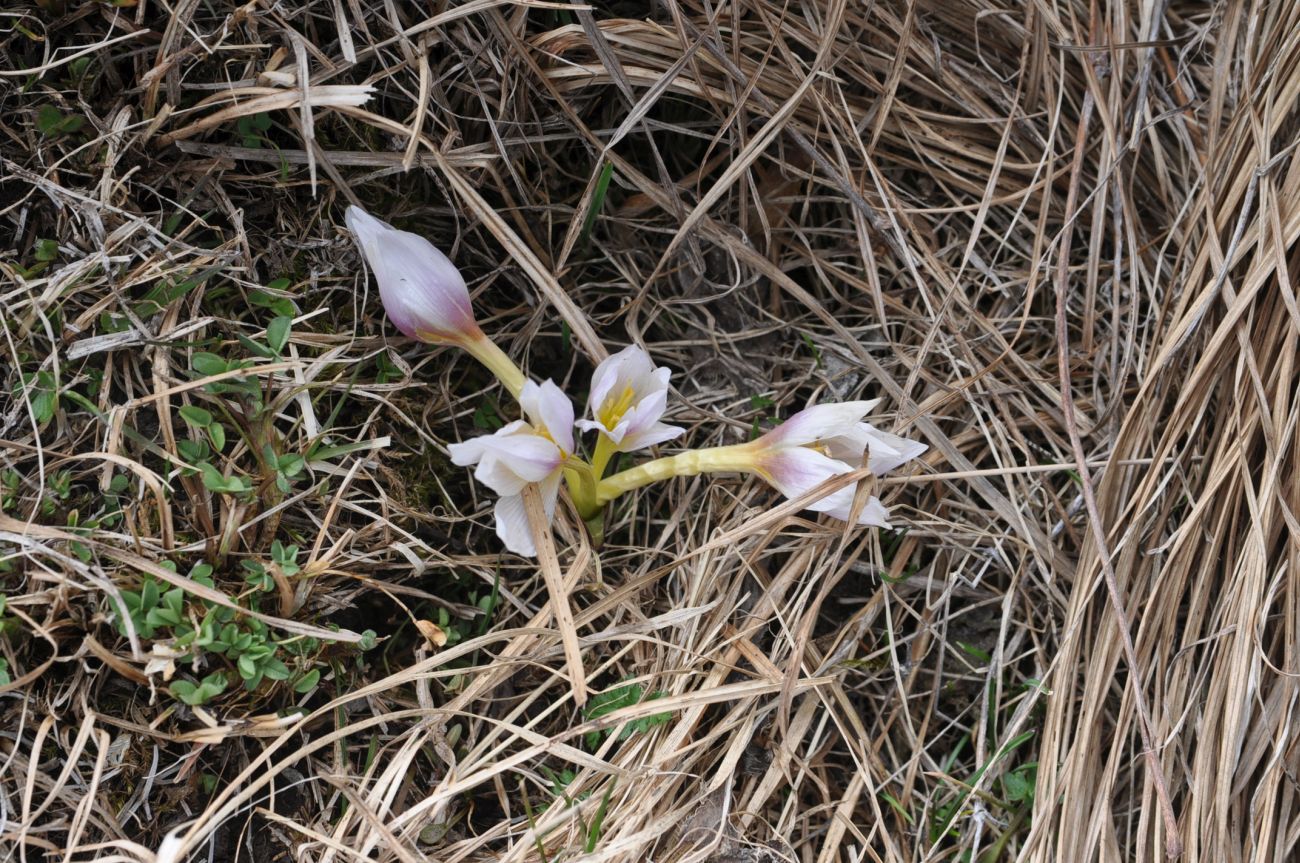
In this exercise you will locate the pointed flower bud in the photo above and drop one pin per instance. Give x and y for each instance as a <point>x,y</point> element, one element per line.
<point>534,449</point>
<point>628,396</point>
<point>423,293</point>
<point>830,440</point>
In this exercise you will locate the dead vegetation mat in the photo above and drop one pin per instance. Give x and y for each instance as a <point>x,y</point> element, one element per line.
<point>1056,237</point>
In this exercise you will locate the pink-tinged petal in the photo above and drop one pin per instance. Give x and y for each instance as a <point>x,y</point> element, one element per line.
<point>547,406</point>
<point>423,293</point>
<point>628,395</point>
<point>888,451</point>
<point>612,371</point>
<point>850,447</point>
<point>819,422</point>
<point>510,458</point>
<point>656,434</point>
<point>550,492</point>
<point>512,526</point>
<point>874,513</point>
<point>797,470</point>
<point>646,412</point>
<point>470,451</point>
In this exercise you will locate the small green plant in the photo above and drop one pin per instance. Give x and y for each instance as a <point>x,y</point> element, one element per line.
<point>8,627</point>
<point>617,698</point>
<point>10,484</point>
<point>53,123</point>
<point>283,557</point>
<point>195,694</point>
<point>253,128</point>
<point>270,298</point>
<point>199,631</point>
<point>43,390</point>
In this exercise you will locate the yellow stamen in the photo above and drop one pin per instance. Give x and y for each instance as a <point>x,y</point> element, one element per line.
<point>613,408</point>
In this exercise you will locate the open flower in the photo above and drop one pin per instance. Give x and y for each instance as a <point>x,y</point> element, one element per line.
<point>423,293</point>
<point>534,449</point>
<point>628,396</point>
<point>830,440</point>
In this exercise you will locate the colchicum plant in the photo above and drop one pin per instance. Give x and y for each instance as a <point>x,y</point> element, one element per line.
<point>425,297</point>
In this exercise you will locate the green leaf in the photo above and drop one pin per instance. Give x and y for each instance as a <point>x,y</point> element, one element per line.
<point>175,600</point>
<point>217,432</point>
<point>44,403</point>
<point>52,122</point>
<point>307,682</point>
<point>192,450</point>
<point>277,333</point>
<point>256,348</point>
<point>291,464</point>
<point>274,669</point>
<point>208,364</point>
<point>46,250</point>
<point>597,200</point>
<point>149,595</point>
<point>215,482</point>
<point>195,415</point>
<point>1015,786</point>
<point>185,691</point>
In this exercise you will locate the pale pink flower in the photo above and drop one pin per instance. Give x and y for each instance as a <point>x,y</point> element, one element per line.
<point>531,450</point>
<point>628,396</point>
<point>423,293</point>
<point>826,441</point>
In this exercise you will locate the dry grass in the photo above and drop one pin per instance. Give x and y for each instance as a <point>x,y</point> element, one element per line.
<point>805,201</point>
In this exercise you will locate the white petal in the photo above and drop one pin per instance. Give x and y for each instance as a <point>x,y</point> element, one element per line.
<point>550,492</point>
<point>796,470</point>
<point>849,447</point>
<point>589,425</point>
<point>512,526</point>
<point>470,451</point>
<point>647,411</point>
<point>547,406</point>
<point>656,434</point>
<point>888,451</point>
<point>611,371</point>
<point>510,458</point>
<point>630,387</point>
<point>874,513</point>
<point>423,293</point>
<point>819,422</point>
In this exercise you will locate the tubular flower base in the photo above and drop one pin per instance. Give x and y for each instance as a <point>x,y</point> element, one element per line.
<point>813,446</point>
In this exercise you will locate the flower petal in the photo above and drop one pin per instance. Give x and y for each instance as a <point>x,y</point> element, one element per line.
<point>547,406</point>
<point>510,458</point>
<point>656,434</point>
<point>423,293</point>
<point>888,451</point>
<point>628,395</point>
<point>819,422</point>
<point>613,370</point>
<point>874,513</point>
<point>796,470</point>
<point>512,526</point>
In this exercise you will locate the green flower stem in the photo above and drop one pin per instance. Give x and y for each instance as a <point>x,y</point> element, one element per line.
<point>497,362</point>
<point>604,452</point>
<point>724,459</point>
<point>581,480</point>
